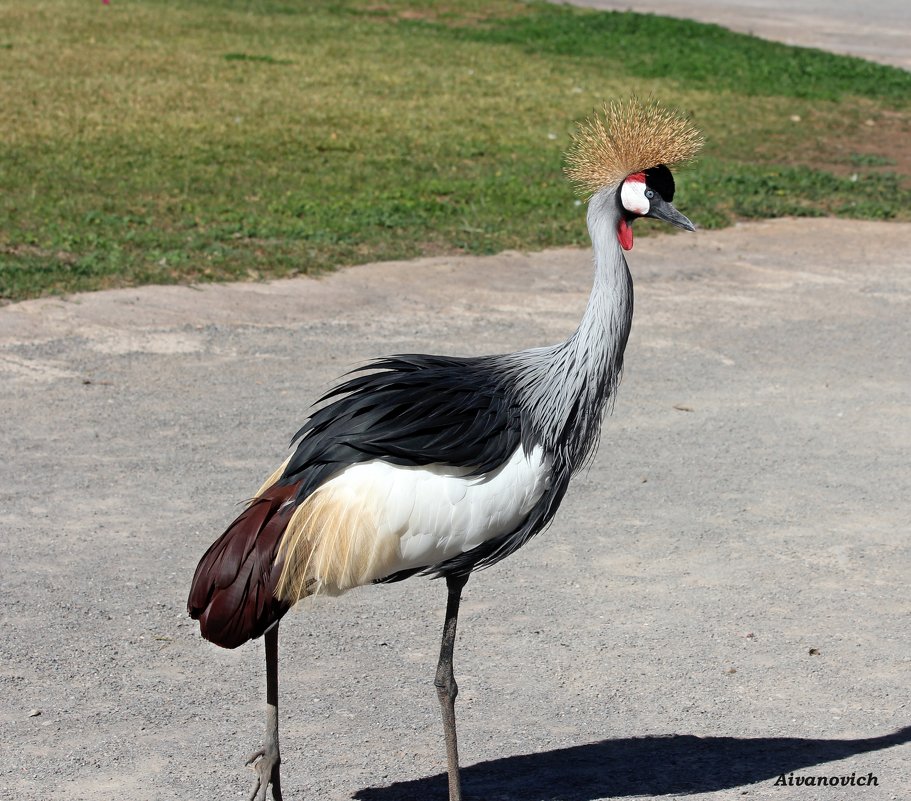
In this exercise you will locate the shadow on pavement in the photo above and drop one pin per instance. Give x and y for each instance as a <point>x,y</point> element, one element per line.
<point>650,766</point>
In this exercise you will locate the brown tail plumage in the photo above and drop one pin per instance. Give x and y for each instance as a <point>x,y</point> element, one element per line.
<point>233,590</point>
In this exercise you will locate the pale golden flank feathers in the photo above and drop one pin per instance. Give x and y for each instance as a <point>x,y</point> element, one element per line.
<point>629,136</point>
<point>330,545</point>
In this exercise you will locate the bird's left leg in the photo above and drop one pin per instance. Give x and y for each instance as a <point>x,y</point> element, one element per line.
<point>445,682</point>
<point>266,760</point>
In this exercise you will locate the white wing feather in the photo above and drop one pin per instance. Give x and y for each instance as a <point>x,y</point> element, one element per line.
<point>433,513</point>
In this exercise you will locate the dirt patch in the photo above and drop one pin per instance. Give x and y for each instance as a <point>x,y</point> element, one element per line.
<point>877,141</point>
<point>452,16</point>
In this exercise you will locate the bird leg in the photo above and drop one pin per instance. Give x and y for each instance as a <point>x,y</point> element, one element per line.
<point>266,760</point>
<point>445,682</point>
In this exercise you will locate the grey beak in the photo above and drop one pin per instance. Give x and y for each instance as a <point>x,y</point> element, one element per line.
<point>660,209</point>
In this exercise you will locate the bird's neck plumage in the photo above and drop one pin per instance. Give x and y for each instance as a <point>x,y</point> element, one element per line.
<point>566,388</point>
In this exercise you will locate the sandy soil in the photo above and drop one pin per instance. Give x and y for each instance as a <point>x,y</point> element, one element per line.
<point>722,599</point>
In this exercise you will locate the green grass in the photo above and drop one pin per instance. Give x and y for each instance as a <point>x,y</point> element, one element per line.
<point>182,140</point>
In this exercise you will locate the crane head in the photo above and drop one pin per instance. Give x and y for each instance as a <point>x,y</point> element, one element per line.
<point>626,149</point>
<point>647,194</point>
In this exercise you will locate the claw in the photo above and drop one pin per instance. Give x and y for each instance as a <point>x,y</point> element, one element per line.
<point>265,766</point>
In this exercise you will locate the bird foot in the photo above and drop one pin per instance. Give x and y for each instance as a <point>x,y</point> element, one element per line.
<point>265,764</point>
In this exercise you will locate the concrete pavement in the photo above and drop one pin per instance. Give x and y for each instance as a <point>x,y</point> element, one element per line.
<point>722,599</point>
<point>876,31</point>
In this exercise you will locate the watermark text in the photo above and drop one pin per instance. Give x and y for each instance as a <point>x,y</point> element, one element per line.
<point>790,780</point>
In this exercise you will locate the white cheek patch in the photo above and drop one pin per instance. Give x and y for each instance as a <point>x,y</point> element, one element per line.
<point>632,196</point>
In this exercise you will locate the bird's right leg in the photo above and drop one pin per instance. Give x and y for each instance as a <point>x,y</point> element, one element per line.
<point>445,682</point>
<point>266,760</point>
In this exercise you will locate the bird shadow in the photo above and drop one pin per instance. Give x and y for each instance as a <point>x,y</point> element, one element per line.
<point>638,766</point>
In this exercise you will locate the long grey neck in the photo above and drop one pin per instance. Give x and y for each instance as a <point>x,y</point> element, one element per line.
<point>566,388</point>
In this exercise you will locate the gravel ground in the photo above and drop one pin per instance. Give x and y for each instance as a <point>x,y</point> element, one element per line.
<point>722,599</point>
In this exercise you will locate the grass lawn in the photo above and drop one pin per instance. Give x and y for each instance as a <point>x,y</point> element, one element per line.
<point>192,140</point>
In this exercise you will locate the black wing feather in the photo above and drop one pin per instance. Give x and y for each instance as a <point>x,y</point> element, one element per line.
<point>410,410</point>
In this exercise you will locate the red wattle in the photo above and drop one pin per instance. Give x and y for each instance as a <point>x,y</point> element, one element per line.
<point>625,234</point>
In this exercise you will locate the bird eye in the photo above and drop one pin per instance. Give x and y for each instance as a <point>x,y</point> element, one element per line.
<point>649,193</point>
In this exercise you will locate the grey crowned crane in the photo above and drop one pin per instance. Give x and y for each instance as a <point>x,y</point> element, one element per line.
<point>441,465</point>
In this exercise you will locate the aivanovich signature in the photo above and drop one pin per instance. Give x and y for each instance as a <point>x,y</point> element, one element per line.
<point>827,781</point>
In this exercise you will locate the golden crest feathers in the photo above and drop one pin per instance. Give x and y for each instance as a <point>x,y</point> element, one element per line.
<point>627,137</point>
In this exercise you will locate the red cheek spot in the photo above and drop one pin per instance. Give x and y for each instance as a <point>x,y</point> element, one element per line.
<point>637,178</point>
<point>625,234</point>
